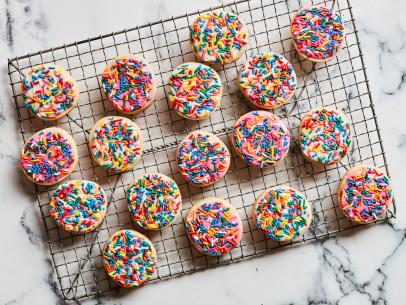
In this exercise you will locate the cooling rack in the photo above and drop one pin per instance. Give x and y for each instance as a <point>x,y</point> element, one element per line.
<point>341,83</point>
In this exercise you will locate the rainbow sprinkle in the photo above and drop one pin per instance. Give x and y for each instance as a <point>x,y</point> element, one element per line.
<point>268,80</point>
<point>129,258</point>
<point>129,83</point>
<point>203,158</point>
<point>325,135</point>
<point>282,213</point>
<point>49,156</point>
<point>154,201</point>
<point>194,90</point>
<point>218,37</point>
<point>214,226</point>
<point>116,143</point>
<point>318,32</point>
<point>260,138</point>
<point>365,194</point>
<point>78,206</point>
<point>49,91</point>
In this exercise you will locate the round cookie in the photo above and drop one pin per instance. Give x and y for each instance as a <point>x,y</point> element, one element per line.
<point>116,143</point>
<point>317,33</point>
<point>268,80</point>
<point>214,226</point>
<point>219,37</point>
<point>325,135</point>
<point>129,83</point>
<point>50,92</point>
<point>78,206</point>
<point>282,213</point>
<point>129,258</point>
<point>365,193</point>
<point>202,158</point>
<point>49,156</point>
<point>260,138</point>
<point>194,90</point>
<point>154,201</point>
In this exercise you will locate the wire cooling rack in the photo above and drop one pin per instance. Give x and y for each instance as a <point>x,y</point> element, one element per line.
<point>341,83</point>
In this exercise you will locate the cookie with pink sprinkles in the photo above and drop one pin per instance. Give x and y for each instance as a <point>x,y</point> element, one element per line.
<point>129,83</point>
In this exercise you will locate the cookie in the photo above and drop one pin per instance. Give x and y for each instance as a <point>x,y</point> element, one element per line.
<point>116,143</point>
<point>365,194</point>
<point>78,206</point>
<point>268,80</point>
<point>129,258</point>
<point>49,156</point>
<point>317,33</point>
<point>325,135</point>
<point>154,201</point>
<point>260,138</point>
<point>194,90</point>
<point>219,37</point>
<point>282,213</point>
<point>214,226</point>
<point>202,158</point>
<point>50,92</point>
<point>129,83</point>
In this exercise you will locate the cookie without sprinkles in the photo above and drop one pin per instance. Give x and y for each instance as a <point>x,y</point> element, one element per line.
<point>50,92</point>
<point>202,158</point>
<point>116,143</point>
<point>317,33</point>
<point>282,213</point>
<point>268,80</point>
<point>129,83</point>
<point>78,206</point>
<point>325,135</point>
<point>154,201</point>
<point>260,138</point>
<point>219,37</point>
<point>214,226</point>
<point>194,90</point>
<point>49,156</point>
<point>365,194</point>
<point>129,258</point>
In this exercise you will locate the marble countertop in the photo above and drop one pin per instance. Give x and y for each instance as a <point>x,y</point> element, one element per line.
<point>363,267</point>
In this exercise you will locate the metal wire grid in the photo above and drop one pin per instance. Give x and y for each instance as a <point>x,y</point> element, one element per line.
<point>341,83</point>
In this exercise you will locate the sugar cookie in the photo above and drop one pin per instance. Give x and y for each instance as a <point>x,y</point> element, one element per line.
<point>194,90</point>
<point>365,193</point>
<point>214,226</point>
<point>116,143</point>
<point>49,156</point>
<point>50,92</point>
<point>78,206</point>
<point>154,201</point>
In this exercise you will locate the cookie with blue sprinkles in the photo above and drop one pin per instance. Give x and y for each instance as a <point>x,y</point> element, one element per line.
<point>78,206</point>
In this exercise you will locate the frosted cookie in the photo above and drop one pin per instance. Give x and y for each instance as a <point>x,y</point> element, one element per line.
<point>214,226</point>
<point>202,158</point>
<point>365,193</point>
<point>129,258</point>
<point>260,138</point>
<point>194,90</point>
<point>116,143</point>
<point>282,213</point>
<point>318,33</point>
<point>49,156</point>
<point>268,80</point>
<point>78,206</point>
<point>325,135</point>
<point>129,83</point>
<point>50,92</point>
<point>219,37</point>
<point>154,201</point>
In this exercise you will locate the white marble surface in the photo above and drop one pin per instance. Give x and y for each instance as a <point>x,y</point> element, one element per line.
<point>363,267</point>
